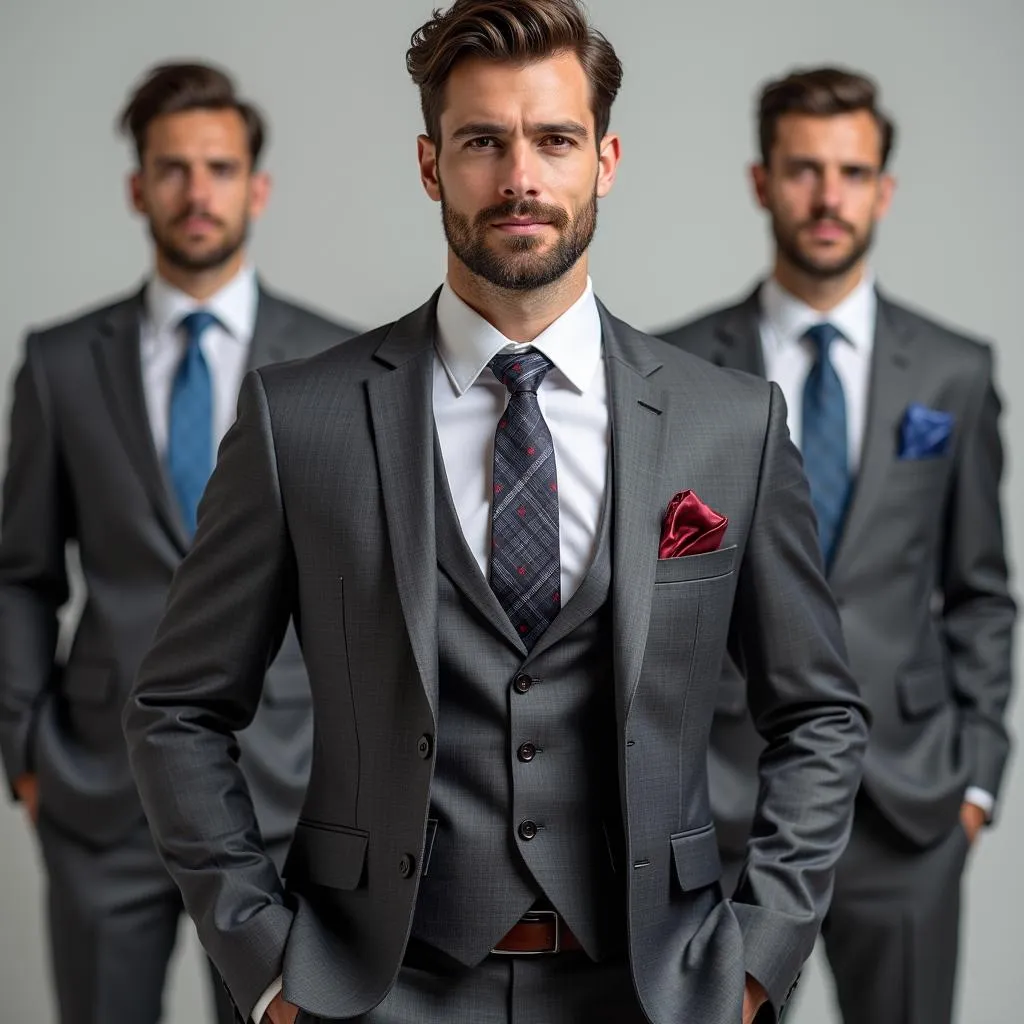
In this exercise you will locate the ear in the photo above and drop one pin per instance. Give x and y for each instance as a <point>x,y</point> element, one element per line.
<point>259,193</point>
<point>759,182</point>
<point>427,153</point>
<point>608,159</point>
<point>886,190</point>
<point>135,196</point>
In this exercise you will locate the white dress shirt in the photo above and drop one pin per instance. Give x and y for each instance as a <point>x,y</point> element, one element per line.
<point>225,346</point>
<point>469,401</point>
<point>789,356</point>
<point>573,398</point>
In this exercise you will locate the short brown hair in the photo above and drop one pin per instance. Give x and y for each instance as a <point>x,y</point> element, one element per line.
<point>821,92</point>
<point>516,31</point>
<point>176,88</point>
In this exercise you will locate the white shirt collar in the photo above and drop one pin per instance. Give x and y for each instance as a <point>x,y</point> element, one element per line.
<point>466,342</point>
<point>234,305</point>
<point>854,317</point>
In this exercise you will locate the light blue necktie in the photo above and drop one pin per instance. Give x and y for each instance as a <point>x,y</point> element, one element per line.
<point>190,437</point>
<point>824,445</point>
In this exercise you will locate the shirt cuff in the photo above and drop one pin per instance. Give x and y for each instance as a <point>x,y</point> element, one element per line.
<point>266,999</point>
<point>981,798</point>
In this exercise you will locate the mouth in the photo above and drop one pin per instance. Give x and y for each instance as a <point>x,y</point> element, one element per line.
<point>197,225</point>
<point>827,231</point>
<point>521,227</point>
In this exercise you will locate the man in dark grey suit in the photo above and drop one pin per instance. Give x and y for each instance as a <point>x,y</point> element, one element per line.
<point>113,433</point>
<point>513,661</point>
<point>897,418</point>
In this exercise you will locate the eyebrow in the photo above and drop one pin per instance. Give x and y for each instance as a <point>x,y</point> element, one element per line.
<point>847,165</point>
<point>478,128</point>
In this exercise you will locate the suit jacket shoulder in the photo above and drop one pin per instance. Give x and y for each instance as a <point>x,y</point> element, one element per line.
<point>71,330</point>
<point>698,335</point>
<point>308,331</point>
<point>958,351</point>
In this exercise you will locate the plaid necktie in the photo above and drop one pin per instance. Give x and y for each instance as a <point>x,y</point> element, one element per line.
<point>525,562</point>
<point>824,443</point>
<point>190,436</point>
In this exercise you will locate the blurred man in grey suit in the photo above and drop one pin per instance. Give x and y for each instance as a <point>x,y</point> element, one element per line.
<point>113,434</point>
<point>898,422</point>
<point>513,660</point>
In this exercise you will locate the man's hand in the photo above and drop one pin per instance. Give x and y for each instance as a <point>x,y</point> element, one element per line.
<point>280,1012</point>
<point>754,997</point>
<point>973,819</point>
<point>26,788</point>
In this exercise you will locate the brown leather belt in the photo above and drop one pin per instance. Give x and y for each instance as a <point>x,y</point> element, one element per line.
<point>536,933</point>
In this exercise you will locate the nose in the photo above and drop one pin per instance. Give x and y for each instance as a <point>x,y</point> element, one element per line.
<point>829,189</point>
<point>198,184</point>
<point>520,172</point>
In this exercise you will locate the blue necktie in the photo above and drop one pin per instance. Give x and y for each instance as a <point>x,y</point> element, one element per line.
<point>525,556</point>
<point>824,445</point>
<point>190,436</point>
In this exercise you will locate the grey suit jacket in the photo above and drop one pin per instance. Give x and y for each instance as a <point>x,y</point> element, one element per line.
<point>82,470</point>
<point>322,508</point>
<point>920,577</point>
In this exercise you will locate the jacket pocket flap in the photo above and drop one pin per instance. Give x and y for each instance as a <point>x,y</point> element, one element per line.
<point>689,568</point>
<point>921,689</point>
<point>91,684</point>
<point>328,855</point>
<point>696,855</point>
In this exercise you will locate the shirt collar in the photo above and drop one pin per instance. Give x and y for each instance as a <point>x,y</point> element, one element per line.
<point>854,317</point>
<point>466,342</point>
<point>234,305</point>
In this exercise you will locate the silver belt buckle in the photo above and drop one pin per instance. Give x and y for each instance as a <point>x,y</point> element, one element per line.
<point>531,917</point>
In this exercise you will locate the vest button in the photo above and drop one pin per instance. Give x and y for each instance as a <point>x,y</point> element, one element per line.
<point>527,752</point>
<point>424,746</point>
<point>527,830</point>
<point>522,683</point>
<point>406,865</point>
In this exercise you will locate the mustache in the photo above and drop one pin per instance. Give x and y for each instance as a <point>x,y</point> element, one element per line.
<point>198,211</point>
<point>523,208</point>
<point>827,218</point>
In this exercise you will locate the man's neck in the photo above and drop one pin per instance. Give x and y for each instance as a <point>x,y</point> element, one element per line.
<point>820,293</point>
<point>519,315</point>
<point>200,284</point>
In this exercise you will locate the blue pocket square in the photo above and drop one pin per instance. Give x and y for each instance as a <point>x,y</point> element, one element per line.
<point>924,433</point>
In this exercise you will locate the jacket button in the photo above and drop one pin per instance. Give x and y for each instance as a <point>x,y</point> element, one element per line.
<point>406,865</point>
<point>527,830</point>
<point>522,683</point>
<point>424,746</point>
<point>527,752</point>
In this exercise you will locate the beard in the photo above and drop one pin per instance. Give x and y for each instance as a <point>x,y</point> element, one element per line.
<point>195,262</point>
<point>518,266</point>
<point>788,242</point>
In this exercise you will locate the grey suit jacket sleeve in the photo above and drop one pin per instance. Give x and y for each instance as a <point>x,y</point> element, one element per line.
<point>807,707</point>
<point>201,681</point>
<point>979,613</point>
<point>33,579</point>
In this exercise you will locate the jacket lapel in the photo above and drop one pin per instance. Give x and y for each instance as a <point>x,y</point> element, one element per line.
<point>892,369</point>
<point>738,337</point>
<point>270,332</point>
<point>401,408</point>
<point>119,364</point>
<point>639,414</point>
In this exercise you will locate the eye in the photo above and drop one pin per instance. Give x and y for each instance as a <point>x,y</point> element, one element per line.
<point>483,142</point>
<point>557,142</point>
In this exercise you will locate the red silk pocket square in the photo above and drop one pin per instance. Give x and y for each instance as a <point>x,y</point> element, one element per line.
<point>690,527</point>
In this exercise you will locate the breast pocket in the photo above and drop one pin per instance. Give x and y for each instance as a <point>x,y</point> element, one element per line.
<point>691,568</point>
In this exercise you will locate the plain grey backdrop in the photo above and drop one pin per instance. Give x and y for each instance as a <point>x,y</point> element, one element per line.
<point>349,230</point>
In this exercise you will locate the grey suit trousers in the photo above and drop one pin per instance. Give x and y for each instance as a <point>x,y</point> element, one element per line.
<point>113,916</point>
<point>568,988</point>
<point>891,935</point>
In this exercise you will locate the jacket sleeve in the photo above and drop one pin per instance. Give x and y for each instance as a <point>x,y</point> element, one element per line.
<point>37,522</point>
<point>200,683</point>
<point>978,612</point>
<point>806,706</point>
